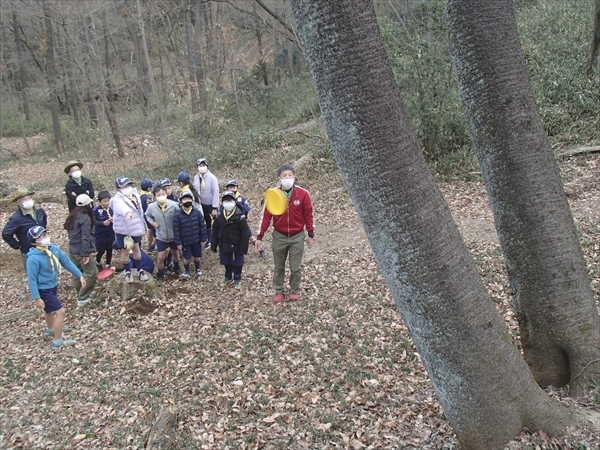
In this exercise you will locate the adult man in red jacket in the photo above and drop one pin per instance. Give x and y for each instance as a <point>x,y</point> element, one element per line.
<point>289,234</point>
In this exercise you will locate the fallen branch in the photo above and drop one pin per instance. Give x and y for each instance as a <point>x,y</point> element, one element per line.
<point>579,151</point>
<point>23,314</point>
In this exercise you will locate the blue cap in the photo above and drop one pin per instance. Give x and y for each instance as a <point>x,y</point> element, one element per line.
<point>165,182</point>
<point>183,177</point>
<point>228,194</point>
<point>122,182</point>
<point>232,182</point>
<point>146,184</point>
<point>35,232</point>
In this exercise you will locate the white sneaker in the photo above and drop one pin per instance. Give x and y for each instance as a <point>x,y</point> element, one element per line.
<point>143,276</point>
<point>83,302</point>
<point>128,277</point>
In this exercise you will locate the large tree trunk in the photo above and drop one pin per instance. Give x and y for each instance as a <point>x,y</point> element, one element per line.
<point>483,383</point>
<point>51,74</point>
<point>22,70</point>
<point>552,296</point>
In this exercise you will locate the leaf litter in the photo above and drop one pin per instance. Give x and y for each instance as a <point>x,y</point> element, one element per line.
<point>335,370</point>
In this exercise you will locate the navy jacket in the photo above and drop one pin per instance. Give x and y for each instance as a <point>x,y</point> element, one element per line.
<point>73,189</point>
<point>233,235</point>
<point>15,231</point>
<point>189,229</point>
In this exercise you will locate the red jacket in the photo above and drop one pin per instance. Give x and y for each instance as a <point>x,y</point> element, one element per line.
<point>299,214</point>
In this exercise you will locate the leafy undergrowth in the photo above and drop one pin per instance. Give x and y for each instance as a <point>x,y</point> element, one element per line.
<point>336,369</point>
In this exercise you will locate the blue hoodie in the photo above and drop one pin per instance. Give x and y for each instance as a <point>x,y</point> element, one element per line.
<point>39,272</point>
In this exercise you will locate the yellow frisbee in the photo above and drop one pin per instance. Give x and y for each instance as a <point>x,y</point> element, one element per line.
<point>275,201</point>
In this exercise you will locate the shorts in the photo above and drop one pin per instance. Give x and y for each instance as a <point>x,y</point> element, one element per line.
<point>161,246</point>
<point>119,244</point>
<point>51,301</point>
<point>194,250</point>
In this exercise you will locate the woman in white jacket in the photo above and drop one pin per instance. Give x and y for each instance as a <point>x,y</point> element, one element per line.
<point>128,222</point>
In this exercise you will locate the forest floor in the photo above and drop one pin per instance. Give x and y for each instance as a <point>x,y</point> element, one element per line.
<point>336,369</point>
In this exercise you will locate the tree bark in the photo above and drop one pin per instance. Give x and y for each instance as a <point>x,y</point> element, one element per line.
<point>552,296</point>
<point>108,110</point>
<point>22,70</point>
<point>75,102</point>
<point>261,57</point>
<point>193,84</point>
<point>51,75</point>
<point>595,41</point>
<point>481,379</point>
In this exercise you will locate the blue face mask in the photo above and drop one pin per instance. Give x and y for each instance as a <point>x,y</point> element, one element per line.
<point>228,206</point>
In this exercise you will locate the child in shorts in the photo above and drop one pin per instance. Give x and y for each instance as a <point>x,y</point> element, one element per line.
<point>103,231</point>
<point>44,262</point>
<point>189,228</point>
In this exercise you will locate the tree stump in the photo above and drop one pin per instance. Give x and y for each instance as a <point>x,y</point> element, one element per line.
<point>140,297</point>
<point>162,435</point>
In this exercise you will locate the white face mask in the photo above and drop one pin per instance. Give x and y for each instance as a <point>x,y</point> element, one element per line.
<point>45,242</point>
<point>202,169</point>
<point>76,174</point>
<point>161,198</point>
<point>27,204</point>
<point>228,206</point>
<point>127,191</point>
<point>287,183</point>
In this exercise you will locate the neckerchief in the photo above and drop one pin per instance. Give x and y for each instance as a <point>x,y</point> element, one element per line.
<point>54,262</point>
<point>202,185</point>
<point>163,206</point>
<point>133,200</point>
<point>288,194</point>
<point>107,211</point>
<point>228,215</point>
<point>236,194</point>
<point>187,210</point>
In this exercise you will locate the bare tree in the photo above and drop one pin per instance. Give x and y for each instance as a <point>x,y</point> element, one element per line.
<point>595,40</point>
<point>22,66</point>
<point>482,381</point>
<point>51,76</point>
<point>552,296</point>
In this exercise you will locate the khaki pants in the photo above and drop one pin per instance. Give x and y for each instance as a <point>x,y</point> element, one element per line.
<point>282,247</point>
<point>89,273</point>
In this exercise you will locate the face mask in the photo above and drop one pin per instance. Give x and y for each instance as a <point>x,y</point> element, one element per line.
<point>228,206</point>
<point>161,198</point>
<point>27,204</point>
<point>186,204</point>
<point>202,169</point>
<point>76,174</point>
<point>127,191</point>
<point>45,242</point>
<point>287,183</point>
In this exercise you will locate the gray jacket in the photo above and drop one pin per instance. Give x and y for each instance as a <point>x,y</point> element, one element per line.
<point>165,220</point>
<point>81,236</point>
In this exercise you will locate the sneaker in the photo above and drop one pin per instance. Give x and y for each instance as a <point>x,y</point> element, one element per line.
<point>171,268</point>
<point>198,273</point>
<point>128,277</point>
<point>278,298</point>
<point>83,302</point>
<point>151,249</point>
<point>107,266</point>
<point>160,276</point>
<point>99,266</point>
<point>177,272</point>
<point>57,345</point>
<point>226,282</point>
<point>237,285</point>
<point>207,246</point>
<point>119,269</point>
<point>49,332</point>
<point>143,276</point>
<point>293,297</point>
<point>262,253</point>
<point>185,276</point>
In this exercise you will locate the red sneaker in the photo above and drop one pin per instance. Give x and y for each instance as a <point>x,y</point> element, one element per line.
<point>293,297</point>
<point>278,298</point>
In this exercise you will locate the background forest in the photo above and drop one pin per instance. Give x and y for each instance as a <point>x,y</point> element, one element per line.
<point>219,78</point>
<point>143,88</point>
